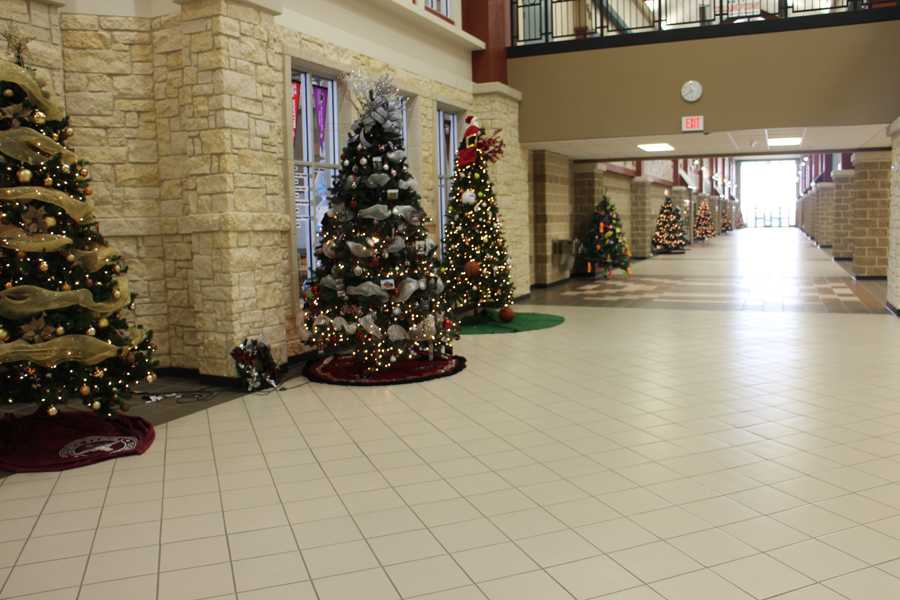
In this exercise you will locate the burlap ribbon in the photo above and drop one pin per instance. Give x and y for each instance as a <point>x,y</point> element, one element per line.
<point>13,73</point>
<point>24,300</point>
<point>76,209</point>
<point>17,238</point>
<point>75,348</point>
<point>31,147</point>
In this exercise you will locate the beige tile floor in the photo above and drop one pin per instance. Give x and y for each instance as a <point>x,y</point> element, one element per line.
<point>629,454</point>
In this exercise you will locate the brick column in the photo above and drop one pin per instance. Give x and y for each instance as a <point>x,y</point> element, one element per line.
<point>681,197</point>
<point>643,219</point>
<point>497,106</point>
<point>552,178</point>
<point>715,209</point>
<point>825,214</point>
<point>870,214</point>
<point>893,282</point>
<point>842,240</point>
<point>811,214</point>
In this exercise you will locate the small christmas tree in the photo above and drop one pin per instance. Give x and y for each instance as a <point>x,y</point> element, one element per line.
<point>476,266</point>
<point>669,234</point>
<point>726,223</point>
<point>605,247</point>
<point>703,227</point>
<point>64,297</point>
<point>377,293</point>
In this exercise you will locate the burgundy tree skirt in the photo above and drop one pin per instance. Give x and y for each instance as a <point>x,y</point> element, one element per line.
<point>39,442</point>
<point>343,370</point>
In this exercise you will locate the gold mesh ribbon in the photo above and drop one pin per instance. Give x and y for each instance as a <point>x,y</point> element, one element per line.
<point>76,209</point>
<point>32,147</point>
<point>24,300</point>
<point>13,73</point>
<point>17,238</point>
<point>94,260</point>
<point>75,348</point>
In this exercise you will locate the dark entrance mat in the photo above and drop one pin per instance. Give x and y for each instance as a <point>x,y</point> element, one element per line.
<point>343,370</point>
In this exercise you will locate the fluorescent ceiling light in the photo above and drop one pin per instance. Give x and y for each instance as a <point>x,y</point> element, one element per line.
<point>656,147</point>
<point>785,141</point>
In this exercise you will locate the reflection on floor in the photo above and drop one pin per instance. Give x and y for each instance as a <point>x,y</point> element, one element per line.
<point>629,454</point>
<point>752,269</point>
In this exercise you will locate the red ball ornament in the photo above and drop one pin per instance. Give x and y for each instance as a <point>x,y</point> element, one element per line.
<point>448,324</point>
<point>507,314</point>
<point>473,268</point>
<point>353,204</point>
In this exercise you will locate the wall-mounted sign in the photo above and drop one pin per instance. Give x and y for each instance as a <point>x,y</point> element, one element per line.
<point>692,123</point>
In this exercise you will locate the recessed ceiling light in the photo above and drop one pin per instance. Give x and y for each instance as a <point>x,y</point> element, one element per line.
<point>656,147</point>
<point>785,141</point>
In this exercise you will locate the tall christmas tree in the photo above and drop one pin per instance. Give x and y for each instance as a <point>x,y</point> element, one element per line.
<point>669,234</point>
<point>703,226</point>
<point>726,222</point>
<point>476,265</point>
<point>377,292</point>
<point>64,328</point>
<point>605,247</point>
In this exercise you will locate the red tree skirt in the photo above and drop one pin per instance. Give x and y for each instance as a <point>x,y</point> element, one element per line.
<point>343,370</point>
<point>39,442</point>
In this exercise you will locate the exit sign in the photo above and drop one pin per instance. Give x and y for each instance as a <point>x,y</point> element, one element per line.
<point>692,123</point>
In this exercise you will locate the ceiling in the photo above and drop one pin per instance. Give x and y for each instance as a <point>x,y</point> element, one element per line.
<point>725,143</point>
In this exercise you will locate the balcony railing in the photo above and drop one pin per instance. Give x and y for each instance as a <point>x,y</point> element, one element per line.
<point>544,21</point>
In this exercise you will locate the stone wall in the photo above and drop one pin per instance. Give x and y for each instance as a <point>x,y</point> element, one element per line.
<point>825,214</point>
<point>643,217</point>
<point>893,281</point>
<point>552,178</point>
<point>871,213</point>
<point>842,241</point>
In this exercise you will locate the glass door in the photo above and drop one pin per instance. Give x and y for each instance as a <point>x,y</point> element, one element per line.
<point>315,159</point>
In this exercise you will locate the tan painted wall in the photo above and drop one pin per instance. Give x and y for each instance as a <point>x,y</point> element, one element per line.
<point>846,75</point>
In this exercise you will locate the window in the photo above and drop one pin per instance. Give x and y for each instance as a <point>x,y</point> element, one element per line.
<point>446,161</point>
<point>439,6</point>
<point>404,102</point>
<point>315,159</point>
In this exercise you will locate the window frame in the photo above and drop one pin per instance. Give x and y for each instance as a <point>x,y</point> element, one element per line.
<point>446,169</point>
<point>441,7</point>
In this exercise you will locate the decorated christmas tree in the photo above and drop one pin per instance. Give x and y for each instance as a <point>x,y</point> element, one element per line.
<point>703,226</point>
<point>476,263</point>
<point>64,296</point>
<point>726,223</point>
<point>377,293</point>
<point>669,234</point>
<point>605,247</point>
<point>739,218</point>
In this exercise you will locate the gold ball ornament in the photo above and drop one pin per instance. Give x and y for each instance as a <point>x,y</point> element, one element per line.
<point>60,330</point>
<point>50,221</point>
<point>8,284</point>
<point>8,93</point>
<point>69,132</point>
<point>24,175</point>
<point>70,258</point>
<point>117,294</point>
<point>151,377</point>
<point>103,323</point>
<point>66,169</point>
<point>66,287</point>
<point>4,335</point>
<point>39,117</point>
<point>43,266</point>
<point>84,390</point>
<point>91,331</point>
<point>48,181</point>
<point>52,411</point>
<point>95,405</point>
<point>83,172</point>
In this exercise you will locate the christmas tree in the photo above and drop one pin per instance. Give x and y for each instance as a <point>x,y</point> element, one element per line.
<point>64,330</point>
<point>377,293</point>
<point>669,234</point>
<point>605,247</point>
<point>726,223</point>
<point>703,226</point>
<point>476,266</point>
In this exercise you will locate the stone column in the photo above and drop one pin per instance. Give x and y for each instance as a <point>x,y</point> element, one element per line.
<point>842,240</point>
<point>715,209</point>
<point>893,281</point>
<point>811,214</point>
<point>497,106</point>
<point>643,219</point>
<point>552,177</point>
<point>825,214</point>
<point>681,197</point>
<point>871,214</point>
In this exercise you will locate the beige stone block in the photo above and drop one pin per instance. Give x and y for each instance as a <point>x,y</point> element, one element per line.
<point>125,23</point>
<point>89,103</point>
<point>82,22</point>
<point>142,151</point>
<point>136,174</point>
<point>98,61</point>
<point>86,39</point>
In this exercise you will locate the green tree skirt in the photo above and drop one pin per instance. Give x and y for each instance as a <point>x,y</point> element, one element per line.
<point>489,322</point>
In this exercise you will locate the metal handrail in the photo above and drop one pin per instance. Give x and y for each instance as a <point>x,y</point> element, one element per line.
<point>545,21</point>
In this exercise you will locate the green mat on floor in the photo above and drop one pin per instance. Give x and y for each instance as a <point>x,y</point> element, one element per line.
<point>489,322</point>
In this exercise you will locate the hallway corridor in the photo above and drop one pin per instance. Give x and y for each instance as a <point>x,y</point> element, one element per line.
<point>629,454</point>
<point>750,269</point>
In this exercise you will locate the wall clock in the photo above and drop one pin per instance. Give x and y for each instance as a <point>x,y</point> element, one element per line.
<point>691,91</point>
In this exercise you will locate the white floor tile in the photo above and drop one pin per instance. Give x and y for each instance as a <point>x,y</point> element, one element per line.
<point>593,577</point>
<point>494,562</point>
<point>426,576</point>
<point>655,561</point>
<point>700,585</point>
<point>762,576</point>
<point>373,584</point>
<point>537,585</point>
